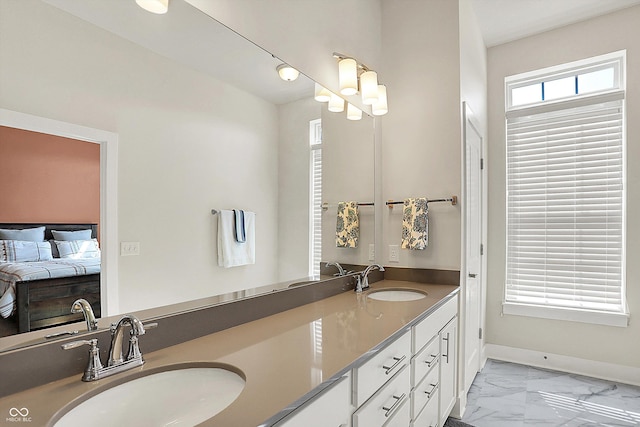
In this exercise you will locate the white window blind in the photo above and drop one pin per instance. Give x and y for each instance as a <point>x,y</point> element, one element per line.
<point>565,205</point>
<point>315,199</point>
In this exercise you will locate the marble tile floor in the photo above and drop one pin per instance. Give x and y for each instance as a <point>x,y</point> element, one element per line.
<point>511,395</point>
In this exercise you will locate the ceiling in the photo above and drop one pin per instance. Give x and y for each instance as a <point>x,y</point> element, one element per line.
<point>192,38</point>
<point>502,21</point>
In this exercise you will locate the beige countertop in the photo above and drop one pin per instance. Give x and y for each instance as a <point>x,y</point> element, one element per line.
<point>283,357</point>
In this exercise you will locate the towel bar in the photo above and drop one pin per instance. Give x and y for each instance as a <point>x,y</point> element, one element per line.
<point>452,199</point>
<point>326,205</point>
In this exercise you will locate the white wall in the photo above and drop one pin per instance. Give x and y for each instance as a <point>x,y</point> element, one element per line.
<point>421,134</point>
<point>182,136</point>
<point>294,185</point>
<point>582,40</point>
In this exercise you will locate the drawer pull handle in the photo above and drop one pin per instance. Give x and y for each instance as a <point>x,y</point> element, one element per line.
<point>430,393</point>
<point>434,359</point>
<point>398,360</point>
<point>398,399</point>
<point>447,340</point>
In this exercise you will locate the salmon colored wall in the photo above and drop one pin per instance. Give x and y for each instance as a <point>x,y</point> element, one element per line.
<point>45,178</point>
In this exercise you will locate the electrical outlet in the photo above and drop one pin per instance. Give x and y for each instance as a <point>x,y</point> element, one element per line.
<point>394,253</point>
<point>129,248</point>
<point>372,252</point>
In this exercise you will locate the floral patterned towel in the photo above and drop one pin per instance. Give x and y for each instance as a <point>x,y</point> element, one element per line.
<point>415,224</point>
<point>347,225</point>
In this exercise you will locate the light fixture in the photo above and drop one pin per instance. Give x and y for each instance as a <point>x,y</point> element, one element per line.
<point>336,104</point>
<point>353,112</point>
<point>380,107</point>
<point>322,94</point>
<point>154,6</point>
<point>369,87</point>
<point>287,72</point>
<point>348,76</point>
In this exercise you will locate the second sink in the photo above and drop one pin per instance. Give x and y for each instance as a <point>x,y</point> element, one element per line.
<point>183,396</point>
<point>397,294</point>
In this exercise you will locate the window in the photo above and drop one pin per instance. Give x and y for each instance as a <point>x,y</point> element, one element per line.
<point>315,197</point>
<point>565,192</point>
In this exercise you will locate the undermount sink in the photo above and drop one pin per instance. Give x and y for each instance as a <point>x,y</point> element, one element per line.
<point>397,294</point>
<point>183,396</point>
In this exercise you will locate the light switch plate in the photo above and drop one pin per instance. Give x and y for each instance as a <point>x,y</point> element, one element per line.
<point>372,252</point>
<point>394,253</point>
<point>129,248</point>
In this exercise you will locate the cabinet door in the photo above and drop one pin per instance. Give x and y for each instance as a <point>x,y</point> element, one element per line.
<point>331,409</point>
<point>448,362</point>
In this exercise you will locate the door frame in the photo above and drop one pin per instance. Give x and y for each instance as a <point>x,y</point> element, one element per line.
<point>108,191</point>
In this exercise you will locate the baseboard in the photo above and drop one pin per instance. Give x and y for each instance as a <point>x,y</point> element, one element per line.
<point>574,365</point>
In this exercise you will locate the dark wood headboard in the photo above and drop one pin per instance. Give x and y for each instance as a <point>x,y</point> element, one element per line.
<point>49,227</point>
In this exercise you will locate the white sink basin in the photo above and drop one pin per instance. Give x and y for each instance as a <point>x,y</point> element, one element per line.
<point>397,294</point>
<point>178,397</point>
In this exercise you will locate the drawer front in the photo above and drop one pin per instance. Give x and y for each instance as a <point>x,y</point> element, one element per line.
<point>427,391</point>
<point>431,325</point>
<point>401,418</point>
<point>429,415</point>
<point>423,362</point>
<point>379,369</point>
<point>383,406</point>
<point>331,409</point>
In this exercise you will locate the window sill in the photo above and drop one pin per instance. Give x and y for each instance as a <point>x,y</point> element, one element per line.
<point>573,315</point>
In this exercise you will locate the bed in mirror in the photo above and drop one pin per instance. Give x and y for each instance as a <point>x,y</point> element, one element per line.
<point>203,121</point>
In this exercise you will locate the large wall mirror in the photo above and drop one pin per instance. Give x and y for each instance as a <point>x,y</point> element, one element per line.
<point>203,122</point>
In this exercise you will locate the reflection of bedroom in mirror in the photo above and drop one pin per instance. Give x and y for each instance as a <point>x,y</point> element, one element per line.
<point>49,222</point>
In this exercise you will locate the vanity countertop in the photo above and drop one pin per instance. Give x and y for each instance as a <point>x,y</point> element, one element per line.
<point>283,357</point>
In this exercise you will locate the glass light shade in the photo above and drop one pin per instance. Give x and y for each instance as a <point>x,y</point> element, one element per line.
<point>154,6</point>
<point>380,107</point>
<point>369,87</point>
<point>287,72</point>
<point>353,112</point>
<point>348,76</point>
<point>336,104</point>
<point>322,94</point>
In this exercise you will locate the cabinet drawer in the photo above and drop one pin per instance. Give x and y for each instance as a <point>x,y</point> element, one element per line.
<point>425,392</point>
<point>431,325</point>
<point>429,415</point>
<point>401,418</point>
<point>331,409</point>
<point>389,401</point>
<point>380,368</point>
<point>425,361</point>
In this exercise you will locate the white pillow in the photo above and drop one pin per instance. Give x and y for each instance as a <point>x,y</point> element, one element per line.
<point>26,234</point>
<point>71,235</point>
<point>7,303</point>
<point>78,249</point>
<point>21,251</point>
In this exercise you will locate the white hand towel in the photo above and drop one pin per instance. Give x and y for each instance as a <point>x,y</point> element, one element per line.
<point>230,252</point>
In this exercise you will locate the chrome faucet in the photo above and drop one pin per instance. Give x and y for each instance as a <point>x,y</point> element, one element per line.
<point>117,331</point>
<point>83,306</point>
<point>336,264</point>
<point>363,278</point>
<point>116,363</point>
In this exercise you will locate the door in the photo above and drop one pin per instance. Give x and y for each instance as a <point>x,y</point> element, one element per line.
<point>473,238</point>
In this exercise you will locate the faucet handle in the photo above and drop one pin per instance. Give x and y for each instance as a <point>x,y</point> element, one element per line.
<point>80,343</point>
<point>92,372</point>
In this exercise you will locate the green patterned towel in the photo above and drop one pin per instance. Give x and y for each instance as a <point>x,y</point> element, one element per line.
<point>415,224</point>
<point>347,225</point>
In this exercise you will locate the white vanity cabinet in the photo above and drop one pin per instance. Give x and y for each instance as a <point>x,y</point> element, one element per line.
<point>433,366</point>
<point>332,408</point>
<point>448,363</point>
